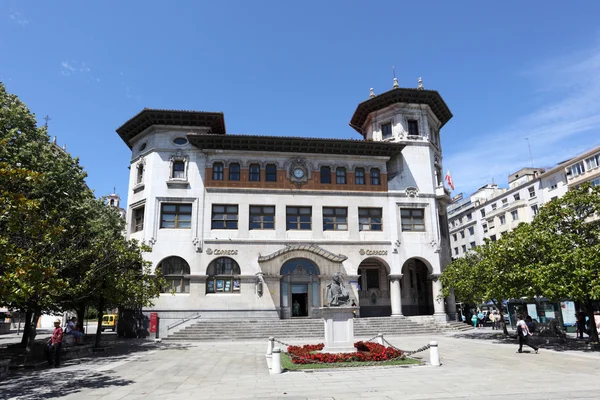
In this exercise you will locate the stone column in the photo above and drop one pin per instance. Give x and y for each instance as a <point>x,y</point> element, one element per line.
<point>451,306</point>
<point>439,311</point>
<point>396,295</point>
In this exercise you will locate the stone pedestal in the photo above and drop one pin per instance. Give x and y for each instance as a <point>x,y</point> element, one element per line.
<point>339,329</point>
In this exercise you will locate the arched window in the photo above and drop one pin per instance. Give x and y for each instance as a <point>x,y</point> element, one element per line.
<point>176,272</point>
<point>223,276</point>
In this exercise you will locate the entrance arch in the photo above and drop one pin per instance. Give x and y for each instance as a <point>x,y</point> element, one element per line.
<point>374,288</point>
<point>299,288</point>
<point>417,294</point>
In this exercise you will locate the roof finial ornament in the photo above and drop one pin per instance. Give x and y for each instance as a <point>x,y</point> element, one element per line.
<point>54,140</point>
<point>65,147</point>
<point>396,86</point>
<point>371,93</point>
<point>420,87</point>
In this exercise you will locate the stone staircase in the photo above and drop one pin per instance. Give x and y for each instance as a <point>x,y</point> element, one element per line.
<point>251,329</point>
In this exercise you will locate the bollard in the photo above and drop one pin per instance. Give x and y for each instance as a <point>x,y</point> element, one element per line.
<point>434,354</point>
<point>270,345</point>
<point>379,339</point>
<point>276,367</point>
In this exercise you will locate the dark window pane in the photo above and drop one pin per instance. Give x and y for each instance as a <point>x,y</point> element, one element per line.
<point>325,175</point>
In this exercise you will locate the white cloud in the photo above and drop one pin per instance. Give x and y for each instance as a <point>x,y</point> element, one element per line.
<point>16,17</point>
<point>566,124</point>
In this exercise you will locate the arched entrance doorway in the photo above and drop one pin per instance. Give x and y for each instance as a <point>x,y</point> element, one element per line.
<point>373,289</point>
<point>417,296</point>
<point>299,288</point>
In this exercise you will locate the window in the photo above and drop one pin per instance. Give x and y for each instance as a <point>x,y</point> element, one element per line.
<point>271,173</point>
<point>178,170</point>
<point>369,219</point>
<point>325,175</point>
<point>576,169</point>
<point>386,130</point>
<point>593,162</point>
<point>464,248</point>
<point>494,206</point>
<point>375,176</point>
<point>340,176</point>
<point>596,182</point>
<point>298,218</point>
<point>413,127</point>
<point>502,219</point>
<point>462,234</point>
<point>176,272</point>
<point>140,174</point>
<point>335,219</point>
<point>485,228</point>
<point>491,223</point>
<point>180,141</point>
<point>469,217</point>
<point>531,191</point>
<point>460,220</point>
<point>254,172</point>
<point>493,238</point>
<point>178,216</point>
<point>217,172</point>
<point>372,278</point>
<point>454,237</point>
<point>482,213</point>
<point>223,276</point>
<point>472,244</point>
<point>471,231</point>
<point>138,219</point>
<point>234,172</point>
<point>413,219</point>
<point>515,215</point>
<point>262,217</point>
<point>456,251</point>
<point>359,176</point>
<point>504,203</point>
<point>224,216</point>
<point>143,146</point>
<point>553,184</point>
<point>517,197</point>
<point>534,209</point>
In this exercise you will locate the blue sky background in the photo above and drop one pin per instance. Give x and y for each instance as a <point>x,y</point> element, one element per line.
<point>507,70</point>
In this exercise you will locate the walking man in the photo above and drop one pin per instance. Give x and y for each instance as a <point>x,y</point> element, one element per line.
<point>54,345</point>
<point>524,334</point>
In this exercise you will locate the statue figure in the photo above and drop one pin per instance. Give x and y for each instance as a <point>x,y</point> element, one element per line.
<point>336,294</point>
<point>296,309</point>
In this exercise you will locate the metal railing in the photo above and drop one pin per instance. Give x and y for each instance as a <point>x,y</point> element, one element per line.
<point>183,320</point>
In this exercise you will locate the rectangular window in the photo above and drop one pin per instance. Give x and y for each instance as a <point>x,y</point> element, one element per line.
<point>375,176</point>
<point>262,217</point>
<point>469,217</point>
<point>178,216</point>
<point>493,238</point>
<point>340,176</point>
<point>482,213</point>
<point>534,209</point>
<point>454,237</point>
<point>359,176</point>
<point>460,220</point>
<point>517,197</point>
<point>138,219</point>
<point>254,173</point>
<point>299,218</point>
<point>472,244</point>
<point>271,173</point>
<point>224,216</point>
<point>504,203</point>
<point>494,206</point>
<point>413,127</point>
<point>464,248</point>
<point>515,215</point>
<point>413,219</point>
<point>335,219</point>
<point>485,228</point>
<point>372,278</point>
<point>178,170</point>
<point>502,219</point>
<point>491,223</point>
<point>471,231</point>
<point>576,170</point>
<point>234,172</point>
<point>140,174</point>
<point>553,184</point>
<point>531,192</point>
<point>596,182</point>
<point>325,175</point>
<point>217,172</point>
<point>456,251</point>
<point>462,234</point>
<point>386,130</point>
<point>370,219</point>
<point>593,162</point>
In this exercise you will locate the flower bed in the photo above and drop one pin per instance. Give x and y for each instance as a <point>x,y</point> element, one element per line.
<point>366,351</point>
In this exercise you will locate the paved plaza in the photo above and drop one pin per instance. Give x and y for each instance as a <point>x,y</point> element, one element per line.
<point>472,369</point>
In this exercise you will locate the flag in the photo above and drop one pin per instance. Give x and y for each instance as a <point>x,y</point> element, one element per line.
<point>448,179</point>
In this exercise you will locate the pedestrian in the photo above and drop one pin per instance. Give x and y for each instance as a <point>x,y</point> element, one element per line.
<point>54,345</point>
<point>474,320</point>
<point>72,329</point>
<point>496,320</point>
<point>480,317</point>
<point>523,334</point>
<point>597,320</point>
<point>581,324</point>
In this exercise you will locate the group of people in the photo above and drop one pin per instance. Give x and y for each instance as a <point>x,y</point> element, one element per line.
<point>583,323</point>
<point>54,344</point>
<point>479,318</point>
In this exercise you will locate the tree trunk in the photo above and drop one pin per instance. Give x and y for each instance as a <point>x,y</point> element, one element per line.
<point>25,337</point>
<point>32,334</point>
<point>593,331</point>
<point>100,315</point>
<point>81,317</point>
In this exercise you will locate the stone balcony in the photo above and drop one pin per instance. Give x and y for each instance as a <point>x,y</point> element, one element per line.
<point>443,194</point>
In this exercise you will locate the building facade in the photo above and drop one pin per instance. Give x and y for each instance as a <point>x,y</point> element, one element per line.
<point>255,226</point>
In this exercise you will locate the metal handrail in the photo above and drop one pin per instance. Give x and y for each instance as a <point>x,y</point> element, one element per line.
<point>183,320</point>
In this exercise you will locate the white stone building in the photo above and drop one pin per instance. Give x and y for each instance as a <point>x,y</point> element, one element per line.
<point>255,226</point>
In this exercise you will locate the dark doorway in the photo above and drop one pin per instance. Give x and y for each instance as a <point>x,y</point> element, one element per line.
<point>299,304</point>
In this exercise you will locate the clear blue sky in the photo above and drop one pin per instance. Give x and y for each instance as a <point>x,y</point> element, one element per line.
<point>507,70</point>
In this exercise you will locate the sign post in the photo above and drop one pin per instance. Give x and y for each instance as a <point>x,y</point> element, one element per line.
<point>153,325</point>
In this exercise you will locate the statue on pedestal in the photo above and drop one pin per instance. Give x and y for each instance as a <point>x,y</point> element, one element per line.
<point>336,294</point>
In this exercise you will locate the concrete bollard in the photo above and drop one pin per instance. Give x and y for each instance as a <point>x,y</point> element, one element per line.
<point>270,345</point>
<point>276,367</point>
<point>379,339</point>
<point>434,354</point>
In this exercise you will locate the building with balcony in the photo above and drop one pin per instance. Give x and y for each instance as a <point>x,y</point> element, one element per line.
<point>246,226</point>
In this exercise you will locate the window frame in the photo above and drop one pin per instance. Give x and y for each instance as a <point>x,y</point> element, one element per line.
<point>171,278</point>
<point>359,179</point>
<point>175,170</point>
<point>271,173</point>
<point>325,178</point>
<point>254,175</point>
<point>137,222</point>
<point>371,213</point>
<point>384,126</point>
<point>410,223</point>
<point>218,171</point>
<point>227,280</point>
<point>340,175</point>
<point>412,126</point>
<point>332,212</point>
<point>531,190</point>
<point>261,214</point>
<point>177,213</point>
<point>225,220</point>
<point>375,179</point>
<point>235,169</point>
<point>513,213</point>
<point>298,214</point>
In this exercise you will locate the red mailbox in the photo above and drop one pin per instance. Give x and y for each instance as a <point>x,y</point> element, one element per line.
<point>153,322</point>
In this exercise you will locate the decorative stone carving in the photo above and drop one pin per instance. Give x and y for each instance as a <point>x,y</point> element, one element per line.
<point>299,170</point>
<point>411,191</point>
<point>336,293</point>
<point>198,244</point>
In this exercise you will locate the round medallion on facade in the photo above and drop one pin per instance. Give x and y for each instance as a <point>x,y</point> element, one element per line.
<point>209,251</point>
<point>299,173</point>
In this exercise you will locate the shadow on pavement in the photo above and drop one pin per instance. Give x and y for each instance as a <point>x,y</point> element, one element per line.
<point>544,342</point>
